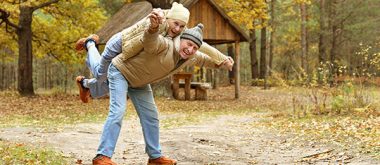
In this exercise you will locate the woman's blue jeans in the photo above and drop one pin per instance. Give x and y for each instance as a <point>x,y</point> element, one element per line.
<point>98,65</point>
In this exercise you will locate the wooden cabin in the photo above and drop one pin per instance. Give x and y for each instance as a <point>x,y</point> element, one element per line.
<point>218,27</point>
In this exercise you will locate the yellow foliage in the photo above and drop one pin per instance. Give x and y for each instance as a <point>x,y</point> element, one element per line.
<point>56,27</point>
<point>250,14</point>
<point>302,1</point>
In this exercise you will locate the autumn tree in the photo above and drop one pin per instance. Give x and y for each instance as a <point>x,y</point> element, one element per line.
<point>272,33</point>
<point>52,25</point>
<point>322,32</point>
<point>112,6</point>
<point>360,37</point>
<point>251,15</point>
<point>332,37</point>
<point>263,53</point>
<point>253,54</point>
<point>341,22</point>
<point>304,35</point>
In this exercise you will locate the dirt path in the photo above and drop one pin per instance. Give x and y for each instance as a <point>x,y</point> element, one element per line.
<point>224,140</point>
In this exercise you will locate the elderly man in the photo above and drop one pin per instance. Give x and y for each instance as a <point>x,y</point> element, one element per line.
<point>129,43</point>
<point>159,58</point>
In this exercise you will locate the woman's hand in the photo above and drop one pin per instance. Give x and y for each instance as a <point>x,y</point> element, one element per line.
<point>156,18</point>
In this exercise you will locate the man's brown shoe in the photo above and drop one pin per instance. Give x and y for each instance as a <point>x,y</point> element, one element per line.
<point>80,45</point>
<point>84,93</point>
<point>162,161</point>
<point>102,160</point>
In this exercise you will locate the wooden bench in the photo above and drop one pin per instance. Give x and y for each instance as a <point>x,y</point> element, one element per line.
<point>200,88</point>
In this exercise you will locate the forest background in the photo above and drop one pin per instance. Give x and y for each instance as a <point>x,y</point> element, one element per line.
<point>302,42</point>
<point>323,54</point>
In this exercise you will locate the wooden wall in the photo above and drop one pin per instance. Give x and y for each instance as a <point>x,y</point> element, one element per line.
<point>216,28</point>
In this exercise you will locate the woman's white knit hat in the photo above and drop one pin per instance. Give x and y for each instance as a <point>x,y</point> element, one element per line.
<point>179,12</point>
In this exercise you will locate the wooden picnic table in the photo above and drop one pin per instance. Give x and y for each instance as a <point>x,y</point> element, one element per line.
<point>183,80</point>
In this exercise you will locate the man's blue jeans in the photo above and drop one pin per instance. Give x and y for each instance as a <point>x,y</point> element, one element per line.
<point>143,101</point>
<point>98,65</point>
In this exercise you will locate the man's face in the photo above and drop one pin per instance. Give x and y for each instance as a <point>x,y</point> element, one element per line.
<point>175,27</point>
<point>187,48</point>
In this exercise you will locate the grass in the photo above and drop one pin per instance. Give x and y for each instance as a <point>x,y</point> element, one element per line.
<point>287,110</point>
<point>196,117</point>
<point>347,132</point>
<point>49,111</point>
<point>352,123</point>
<point>18,153</point>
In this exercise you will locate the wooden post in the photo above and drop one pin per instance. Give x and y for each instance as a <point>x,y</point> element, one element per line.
<point>175,87</point>
<point>237,73</point>
<point>187,88</point>
<point>231,74</point>
<point>2,86</point>
<point>200,93</point>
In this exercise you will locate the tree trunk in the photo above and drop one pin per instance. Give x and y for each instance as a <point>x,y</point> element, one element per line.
<point>263,50</point>
<point>2,72</point>
<point>45,74</point>
<point>13,72</point>
<point>253,50</point>
<point>322,33</point>
<point>303,37</point>
<point>216,76</point>
<point>24,38</point>
<point>206,74</point>
<point>25,61</point>
<point>231,74</point>
<point>50,77</point>
<point>237,73</point>
<point>333,51</point>
<point>322,55</point>
<point>66,78</point>
<point>271,43</point>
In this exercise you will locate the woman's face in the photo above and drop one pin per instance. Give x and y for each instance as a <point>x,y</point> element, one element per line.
<point>175,27</point>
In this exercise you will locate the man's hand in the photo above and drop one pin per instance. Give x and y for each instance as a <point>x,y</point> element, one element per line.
<point>228,63</point>
<point>156,18</point>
